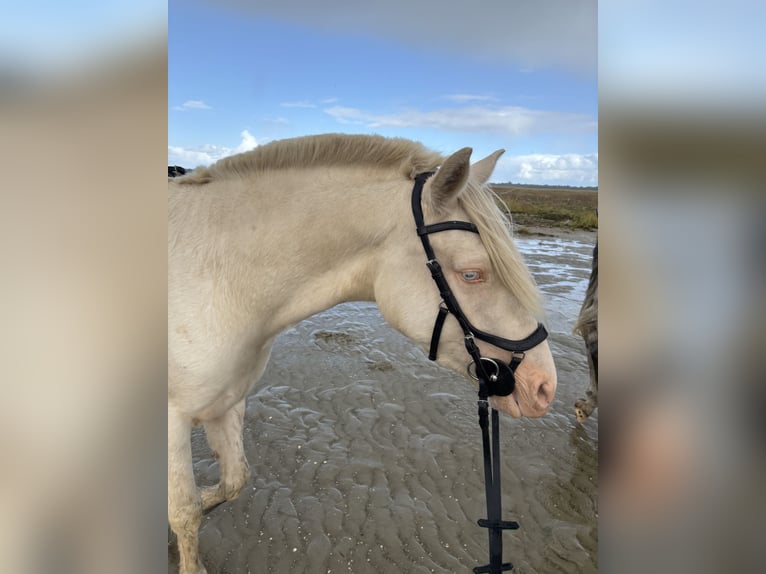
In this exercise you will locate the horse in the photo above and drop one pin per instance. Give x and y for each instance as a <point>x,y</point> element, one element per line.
<point>262,240</point>
<point>587,327</point>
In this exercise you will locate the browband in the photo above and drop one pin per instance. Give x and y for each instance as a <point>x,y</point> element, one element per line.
<point>445,225</point>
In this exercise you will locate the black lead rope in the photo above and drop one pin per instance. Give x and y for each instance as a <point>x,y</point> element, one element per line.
<point>493,522</point>
<point>501,382</point>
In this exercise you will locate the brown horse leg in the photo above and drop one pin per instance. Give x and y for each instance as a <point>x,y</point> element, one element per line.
<point>224,435</point>
<point>585,407</point>
<point>184,502</point>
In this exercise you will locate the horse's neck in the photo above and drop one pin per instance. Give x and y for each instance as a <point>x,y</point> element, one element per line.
<point>316,241</point>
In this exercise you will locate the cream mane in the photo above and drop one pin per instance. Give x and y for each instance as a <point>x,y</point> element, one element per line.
<point>409,158</point>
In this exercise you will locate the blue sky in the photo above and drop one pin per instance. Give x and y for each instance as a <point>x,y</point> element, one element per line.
<point>519,76</point>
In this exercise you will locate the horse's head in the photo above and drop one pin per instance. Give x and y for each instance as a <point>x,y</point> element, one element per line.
<point>485,273</point>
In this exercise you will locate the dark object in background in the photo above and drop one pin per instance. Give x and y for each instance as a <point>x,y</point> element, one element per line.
<point>176,170</point>
<point>587,327</point>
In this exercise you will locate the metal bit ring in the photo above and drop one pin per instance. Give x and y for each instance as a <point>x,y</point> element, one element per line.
<point>492,377</point>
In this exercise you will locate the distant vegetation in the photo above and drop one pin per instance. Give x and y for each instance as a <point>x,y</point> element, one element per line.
<point>545,186</point>
<point>550,206</point>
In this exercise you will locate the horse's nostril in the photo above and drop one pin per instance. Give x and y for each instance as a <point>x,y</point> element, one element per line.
<point>544,395</point>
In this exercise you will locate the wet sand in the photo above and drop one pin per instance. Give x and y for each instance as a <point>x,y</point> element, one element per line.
<point>366,457</point>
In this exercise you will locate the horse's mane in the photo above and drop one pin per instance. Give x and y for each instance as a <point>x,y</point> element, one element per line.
<point>410,158</point>
<point>322,150</point>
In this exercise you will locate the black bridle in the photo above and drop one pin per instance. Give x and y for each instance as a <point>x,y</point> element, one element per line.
<point>501,382</point>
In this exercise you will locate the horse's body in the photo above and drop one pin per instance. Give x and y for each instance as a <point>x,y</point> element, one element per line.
<point>587,327</point>
<point>260,241</point>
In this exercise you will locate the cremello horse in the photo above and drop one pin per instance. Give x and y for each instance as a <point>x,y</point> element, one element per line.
<point>261,240</point>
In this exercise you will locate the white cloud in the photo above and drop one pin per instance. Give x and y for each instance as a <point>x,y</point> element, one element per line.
<point>527,33</point>
<point>248,142</point>
<point>512,120</point>
<point>192,105</point>
<point>565,169</point>
<point>303,104</point>
<point>347,115</point>
<point>194,157</point>
<point>208,153</point>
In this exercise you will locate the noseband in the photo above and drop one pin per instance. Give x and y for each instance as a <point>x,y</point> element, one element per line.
<point>500,380</point>
<point>495,376</point>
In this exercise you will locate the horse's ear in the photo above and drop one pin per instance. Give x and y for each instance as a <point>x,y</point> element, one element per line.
<point>483,168</point>
<point>451,178</point>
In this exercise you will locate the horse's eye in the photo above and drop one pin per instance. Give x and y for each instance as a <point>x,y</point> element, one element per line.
<point>471,276</point>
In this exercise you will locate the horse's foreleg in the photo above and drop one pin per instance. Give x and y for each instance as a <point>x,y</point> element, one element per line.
<point>184,502</point>
<point>224,435</point>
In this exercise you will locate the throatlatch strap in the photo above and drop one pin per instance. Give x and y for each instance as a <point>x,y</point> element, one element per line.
<point>443,312</point>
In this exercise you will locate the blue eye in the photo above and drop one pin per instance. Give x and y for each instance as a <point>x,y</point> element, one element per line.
<point>471,276</point>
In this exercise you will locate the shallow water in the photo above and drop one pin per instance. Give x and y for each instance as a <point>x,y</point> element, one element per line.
<point>366,457</point>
